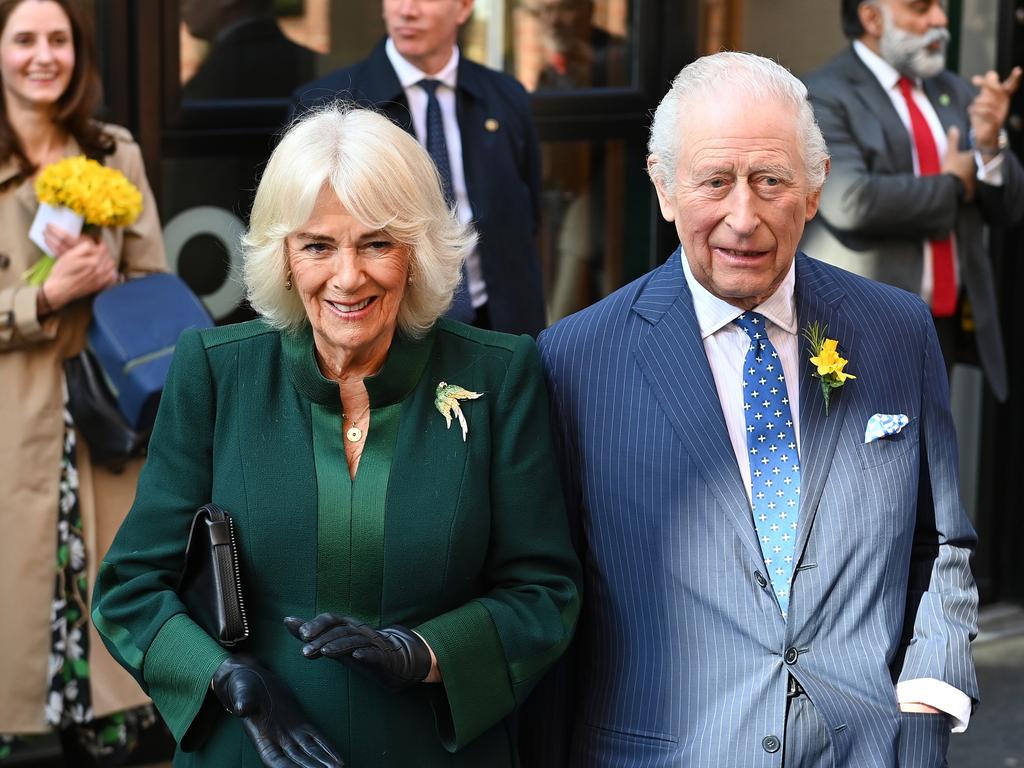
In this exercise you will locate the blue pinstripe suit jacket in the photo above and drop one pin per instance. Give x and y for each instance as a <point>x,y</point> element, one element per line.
<point>680,658</point>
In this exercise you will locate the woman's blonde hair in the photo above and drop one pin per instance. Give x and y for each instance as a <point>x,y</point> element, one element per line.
<point>385,180</point>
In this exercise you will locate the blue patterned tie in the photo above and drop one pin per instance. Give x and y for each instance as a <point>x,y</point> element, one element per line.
<point>772,453</point>
<point>437,147</point>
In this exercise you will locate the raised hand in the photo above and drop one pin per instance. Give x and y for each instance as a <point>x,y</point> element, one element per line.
<point>271,717</point>
<point>990,107</point>
<point>83,267</point>
<point>395,656</point>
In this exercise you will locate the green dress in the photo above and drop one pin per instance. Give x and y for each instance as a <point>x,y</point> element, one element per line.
<point>464,541</point>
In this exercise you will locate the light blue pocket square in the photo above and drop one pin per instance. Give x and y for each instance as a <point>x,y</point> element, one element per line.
<point>883,425</point>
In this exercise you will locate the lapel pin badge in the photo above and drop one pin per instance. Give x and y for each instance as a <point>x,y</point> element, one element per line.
<point>491,125</point>
<point>944,99</point>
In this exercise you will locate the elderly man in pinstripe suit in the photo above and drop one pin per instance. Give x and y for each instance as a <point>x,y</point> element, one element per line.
<point>773,579</point>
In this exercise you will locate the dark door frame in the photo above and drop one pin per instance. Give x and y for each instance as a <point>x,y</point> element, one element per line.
<point>999,566</point>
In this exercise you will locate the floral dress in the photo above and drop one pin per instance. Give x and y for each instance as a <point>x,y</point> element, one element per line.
<point>107,740</point>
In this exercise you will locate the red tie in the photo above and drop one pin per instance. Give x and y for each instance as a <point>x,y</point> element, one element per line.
<point>943,276</point>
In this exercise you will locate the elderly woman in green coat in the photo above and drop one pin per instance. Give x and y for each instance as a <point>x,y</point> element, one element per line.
<point>405,556</point>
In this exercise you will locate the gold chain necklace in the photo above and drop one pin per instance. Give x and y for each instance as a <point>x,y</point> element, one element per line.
<point>354,434</point>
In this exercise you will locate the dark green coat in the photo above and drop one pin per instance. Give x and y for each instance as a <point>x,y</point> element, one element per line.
<point>464,541</point>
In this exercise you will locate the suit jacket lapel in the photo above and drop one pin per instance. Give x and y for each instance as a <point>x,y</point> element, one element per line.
<point>817,301</point>
<point>941,99</point>
<point>477,143</point>
<point>877,103</point>
<point>672,358</point>
<point>380,87</point>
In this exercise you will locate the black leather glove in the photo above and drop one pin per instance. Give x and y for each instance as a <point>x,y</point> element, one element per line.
<point>270,715</point>
<point>397,657</point>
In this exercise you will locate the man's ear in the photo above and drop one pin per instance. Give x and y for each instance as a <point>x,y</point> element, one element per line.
<point>665,201</point>
<point>870,15</point>
<point>465,11</point>
<point>814,199</point>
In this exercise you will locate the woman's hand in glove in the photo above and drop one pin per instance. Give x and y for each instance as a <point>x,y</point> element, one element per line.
<point>397,657</point>
<point>270,715</point>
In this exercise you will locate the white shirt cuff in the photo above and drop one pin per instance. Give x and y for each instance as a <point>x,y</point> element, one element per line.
<point>942,696</point>
<point>990,173</point>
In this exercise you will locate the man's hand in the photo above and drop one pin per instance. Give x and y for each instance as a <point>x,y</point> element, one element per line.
<point>270,716</point>
<point>83,267</point>
<point>397,657</point>
<point>960,164</point>
<point>990,107</point>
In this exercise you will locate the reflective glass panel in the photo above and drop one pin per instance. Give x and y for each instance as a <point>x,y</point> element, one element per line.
<point>267,48</point>
<point>251,49</point>
<point>570,44</point>
<point>582,230</point>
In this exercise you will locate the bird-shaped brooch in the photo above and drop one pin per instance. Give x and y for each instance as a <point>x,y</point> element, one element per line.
<point>446,400</point>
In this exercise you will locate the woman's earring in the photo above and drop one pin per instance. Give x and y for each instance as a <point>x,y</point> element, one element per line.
<point>288,281</point>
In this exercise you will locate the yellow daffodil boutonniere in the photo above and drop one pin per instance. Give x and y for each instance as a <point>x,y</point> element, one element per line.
<point>99,195</point>
<point>829,366</point>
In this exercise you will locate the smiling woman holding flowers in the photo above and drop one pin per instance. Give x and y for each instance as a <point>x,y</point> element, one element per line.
<point>57,507</point>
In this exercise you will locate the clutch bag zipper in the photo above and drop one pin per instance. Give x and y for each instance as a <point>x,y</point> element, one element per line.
<point>237,582</point>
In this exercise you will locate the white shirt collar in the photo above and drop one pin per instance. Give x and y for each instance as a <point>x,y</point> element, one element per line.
<point>409,74</point>
<point>713,313</point>
<point>883,71</point>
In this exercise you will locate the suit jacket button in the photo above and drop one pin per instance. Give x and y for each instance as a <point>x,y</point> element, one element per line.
<point>762,582</point>
<point>792,654</point>
<point>5,261</point>
<point>771,743</point>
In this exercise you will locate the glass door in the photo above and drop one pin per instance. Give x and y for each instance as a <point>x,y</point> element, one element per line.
<point>207,99</point>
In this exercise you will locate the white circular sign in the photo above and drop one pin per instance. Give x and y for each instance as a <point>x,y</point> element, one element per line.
<point>226,227</point>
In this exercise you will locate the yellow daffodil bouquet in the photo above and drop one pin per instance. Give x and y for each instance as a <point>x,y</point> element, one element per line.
<point>90,194</point>
<point>829,366</point>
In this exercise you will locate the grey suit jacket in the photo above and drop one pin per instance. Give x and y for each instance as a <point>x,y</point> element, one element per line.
<point>681,655</point>
<point>875,213</point>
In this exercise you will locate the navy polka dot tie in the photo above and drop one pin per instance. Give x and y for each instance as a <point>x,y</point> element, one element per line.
<point>772,454</point>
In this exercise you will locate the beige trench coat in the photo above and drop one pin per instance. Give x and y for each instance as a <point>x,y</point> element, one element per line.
<point>31,408</point>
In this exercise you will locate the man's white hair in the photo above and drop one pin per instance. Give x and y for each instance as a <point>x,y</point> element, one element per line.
<point>754,78</point>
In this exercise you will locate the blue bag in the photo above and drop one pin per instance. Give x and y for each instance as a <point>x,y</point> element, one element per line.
<point>135,326</point>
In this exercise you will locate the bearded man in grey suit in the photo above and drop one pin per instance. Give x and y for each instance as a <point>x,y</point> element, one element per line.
<point>771,578</point>
<point>919,165</point>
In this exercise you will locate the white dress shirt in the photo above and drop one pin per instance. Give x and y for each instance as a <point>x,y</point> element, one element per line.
<point>409,75</point>
<point>725,345</point>
<point>988,173</point>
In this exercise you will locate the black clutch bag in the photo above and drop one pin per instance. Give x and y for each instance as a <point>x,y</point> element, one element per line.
<point>210,584</point>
